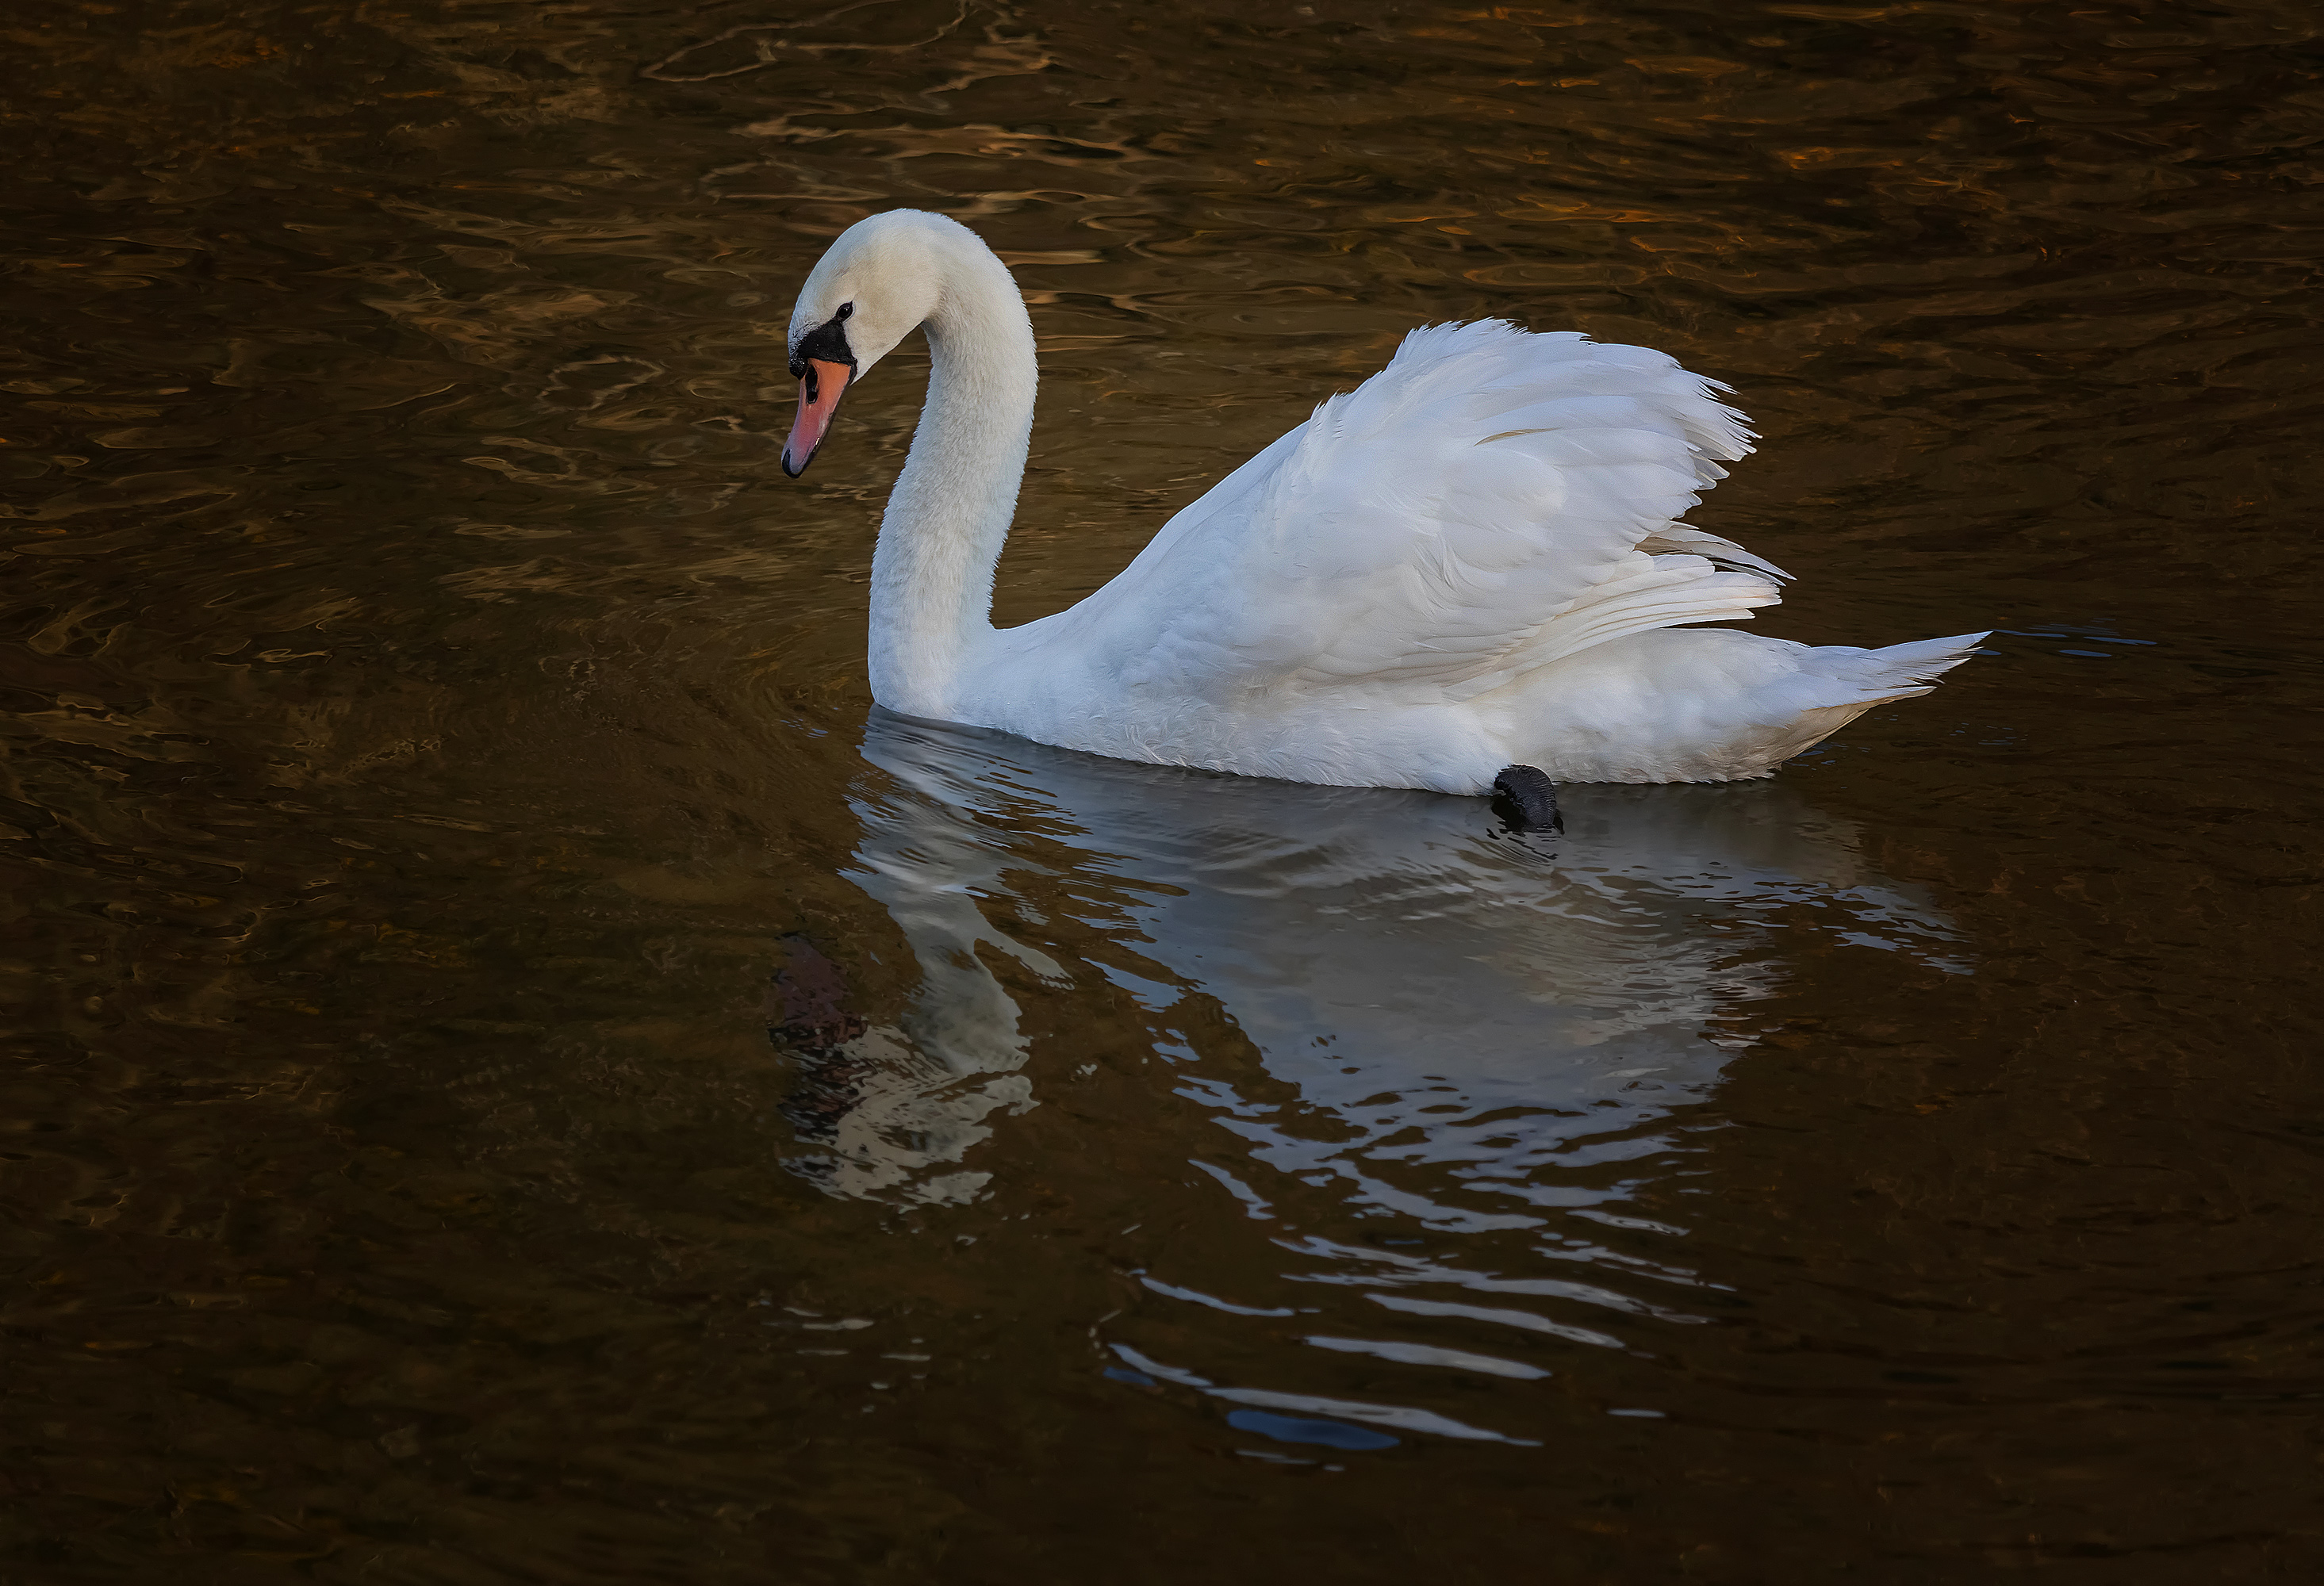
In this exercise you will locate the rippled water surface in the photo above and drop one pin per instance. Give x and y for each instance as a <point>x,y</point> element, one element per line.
<point>515,1072</point>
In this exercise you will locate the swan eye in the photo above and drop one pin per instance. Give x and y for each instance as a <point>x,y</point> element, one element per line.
<point>844,310</point>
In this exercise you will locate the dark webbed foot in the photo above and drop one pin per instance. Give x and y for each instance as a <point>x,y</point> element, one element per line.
<point>1525,798</point>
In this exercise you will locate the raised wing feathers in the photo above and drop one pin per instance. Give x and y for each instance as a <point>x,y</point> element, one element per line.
<point>1489,502</point>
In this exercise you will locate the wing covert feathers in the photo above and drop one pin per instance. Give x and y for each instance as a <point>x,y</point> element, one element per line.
<point>1490,501</point>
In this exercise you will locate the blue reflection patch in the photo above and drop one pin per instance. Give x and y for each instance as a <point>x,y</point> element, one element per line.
<point>1124,1374</point>
<point>1330,1434</point>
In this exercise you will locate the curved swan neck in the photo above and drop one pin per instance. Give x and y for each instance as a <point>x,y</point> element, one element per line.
<point>941,535</point>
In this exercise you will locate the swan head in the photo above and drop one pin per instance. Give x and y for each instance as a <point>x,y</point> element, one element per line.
<point>877,281</point>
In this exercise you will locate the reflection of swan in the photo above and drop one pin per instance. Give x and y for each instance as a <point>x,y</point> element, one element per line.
<point>1384,950</point>
<point>1469,564</point>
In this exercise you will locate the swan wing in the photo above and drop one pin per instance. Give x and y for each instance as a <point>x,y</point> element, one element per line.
<point>1492,501</point>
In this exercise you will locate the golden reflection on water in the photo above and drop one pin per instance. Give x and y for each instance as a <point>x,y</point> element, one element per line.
<point>437,755</point>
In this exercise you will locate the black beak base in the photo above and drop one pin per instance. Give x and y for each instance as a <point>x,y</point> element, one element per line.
<point>828,342</point>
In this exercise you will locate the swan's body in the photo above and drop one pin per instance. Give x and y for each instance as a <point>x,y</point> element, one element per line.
<point>1472,561</point>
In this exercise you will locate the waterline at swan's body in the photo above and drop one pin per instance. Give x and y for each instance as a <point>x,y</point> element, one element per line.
<point>1470,562</point>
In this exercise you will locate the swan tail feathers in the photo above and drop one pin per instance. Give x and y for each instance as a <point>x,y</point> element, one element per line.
<point>1898,671</point>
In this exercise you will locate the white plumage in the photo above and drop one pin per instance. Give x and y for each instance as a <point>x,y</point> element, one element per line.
<point>1473,560</point>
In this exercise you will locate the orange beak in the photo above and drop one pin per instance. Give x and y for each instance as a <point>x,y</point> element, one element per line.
<point>819,392</point>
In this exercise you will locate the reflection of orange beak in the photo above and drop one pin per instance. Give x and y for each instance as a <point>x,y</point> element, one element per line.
<point>819,391</point>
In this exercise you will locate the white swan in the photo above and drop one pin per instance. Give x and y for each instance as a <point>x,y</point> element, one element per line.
<point>1468,567</point>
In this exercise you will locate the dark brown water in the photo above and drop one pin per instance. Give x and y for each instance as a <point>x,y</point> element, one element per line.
<point>514,1075</point>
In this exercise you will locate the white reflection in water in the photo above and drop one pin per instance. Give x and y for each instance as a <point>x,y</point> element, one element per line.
<point>1404,1418</point>
<point>1469,1008</point>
